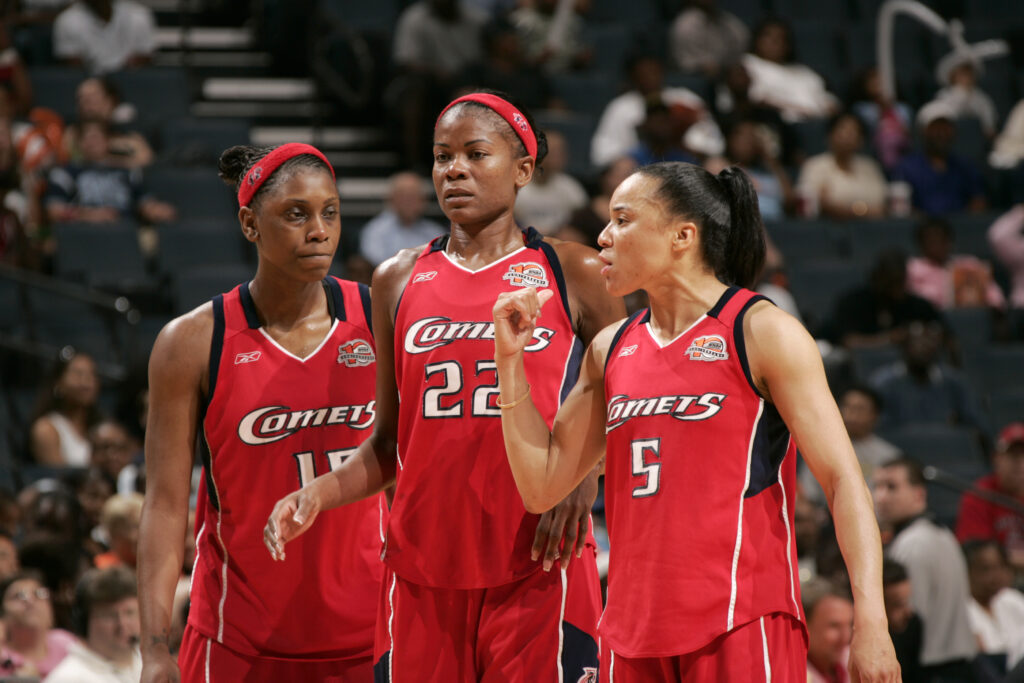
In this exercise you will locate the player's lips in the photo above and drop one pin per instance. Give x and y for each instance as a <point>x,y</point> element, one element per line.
<point>606,261</point>
<point>456,193</point>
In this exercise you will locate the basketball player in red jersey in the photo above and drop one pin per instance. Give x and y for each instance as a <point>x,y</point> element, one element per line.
<point>276,377</point>
<point>693,400</point>
<point>464,597</point>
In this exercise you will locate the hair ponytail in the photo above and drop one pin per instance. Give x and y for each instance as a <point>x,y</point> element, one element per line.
<point>745,243</point>
<point>725,211</point>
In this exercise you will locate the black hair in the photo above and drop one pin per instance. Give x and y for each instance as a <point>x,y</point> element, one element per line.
<point>724,207</point>
<point>236,161</point>
<point>974,546</point>
<point>769,22</point>
<point>841,116</point>
<point>49,399</point>
<point>913,468</point>
<point>866,390</point>
<point>932,223</point>
<point>101,587</point>
<point>509,134</point>
<point>107,86</point>
<point>893,572</point>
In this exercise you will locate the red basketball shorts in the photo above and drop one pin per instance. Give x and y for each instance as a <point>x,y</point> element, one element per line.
<point>204,660</point>
<point>771,649</point>
<point>541,628</point>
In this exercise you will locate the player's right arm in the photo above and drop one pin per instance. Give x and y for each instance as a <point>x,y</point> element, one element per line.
<point>372,468</point>
<point>547,464</point>
<point>177,379</point>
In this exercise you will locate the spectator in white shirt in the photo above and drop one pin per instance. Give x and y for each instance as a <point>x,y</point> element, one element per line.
<point>995,609</point>
<point>105,35</point>
<point>551,197</point>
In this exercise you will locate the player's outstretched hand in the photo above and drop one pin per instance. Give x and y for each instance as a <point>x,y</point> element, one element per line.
<point>515,316</point>
<point>872,657</point>
<point>160,668</point>
<point>569,520</point>
<point>291,516</point>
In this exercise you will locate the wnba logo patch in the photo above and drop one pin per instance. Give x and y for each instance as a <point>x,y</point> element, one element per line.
<point>356,353</point>
<point>589,675</point>
<point>526,275</point>
<point>709,348</point>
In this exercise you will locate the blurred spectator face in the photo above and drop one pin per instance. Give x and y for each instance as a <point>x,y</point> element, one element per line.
<point>558,153</point>
<point>121,516</point>
<point>1008,461</point>
<point>935,242</point>
<point>924,341</point>
<point>845,138</point>
<point>873,84</point>
<point>743,144</point>
<point>94,143</point>
<point>618,171</point>
<point>963,76</point>
<point>897,605</point>
<point>505,47</point>
<point>859,414</point>
<point>78,385</point>
<point>889,276</point>
<point>54,512</point>
<point>648,75</point>
<point>806,526</point>
<point>772,43</point>
<point>112,447</point>
<point>829,630</point>
<point>114,628</point>
<point>737,80</point>
<point>93,102</point>
<point>988,573</point>
<point>938,137</point>
<point>896,499</point>
<point>94,492</point>
<point>8,558</point>
<point>27,605</point>
<point>407,200</point>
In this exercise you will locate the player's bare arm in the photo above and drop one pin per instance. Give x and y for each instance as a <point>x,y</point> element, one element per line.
<point>177,382</point>
<point>566,524</point>
<point>787,368</point>
<point>372,468</point>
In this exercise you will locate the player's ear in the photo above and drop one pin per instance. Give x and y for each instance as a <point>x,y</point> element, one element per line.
<point>247,220</point>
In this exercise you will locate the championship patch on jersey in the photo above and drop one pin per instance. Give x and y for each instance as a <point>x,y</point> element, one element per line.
<point>425,277</point>
<point>247,357</point>
<point>356,353</point>
<point>708,348</point>
<point>589,675</point>
<point>627,350</point>
<point>526,275</point>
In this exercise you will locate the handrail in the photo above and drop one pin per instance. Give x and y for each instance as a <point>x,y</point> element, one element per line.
<point>94,297</point>
<point>49,353</point>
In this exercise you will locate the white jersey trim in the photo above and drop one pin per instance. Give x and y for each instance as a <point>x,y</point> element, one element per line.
<point>561,631</point>
<point>789,535</point>
<point>483,268</point>
<point>391,631</point>
<point>315,351</point>
<point>739,520</point>
<point>764,649</point>
<point>611,666</point>
<point>209,645</point>
<point>661,345</point>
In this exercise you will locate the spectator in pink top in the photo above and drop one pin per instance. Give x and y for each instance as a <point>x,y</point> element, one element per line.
<point>1007,239</point>
<point>948,280</point>
<point>31,645</point>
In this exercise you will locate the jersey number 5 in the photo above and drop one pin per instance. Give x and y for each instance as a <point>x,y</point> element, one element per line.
<point>307,468</point>
<point>642,452</point>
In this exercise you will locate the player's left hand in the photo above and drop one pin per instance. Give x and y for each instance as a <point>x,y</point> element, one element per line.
<point>872,657</point>
<point>568,521</point>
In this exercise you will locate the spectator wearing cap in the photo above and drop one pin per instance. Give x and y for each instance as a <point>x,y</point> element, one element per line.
<point>960,74</point>
<point>108,621</point>
<point>941,182</point>
<point>983,519</point>
<point>996,609</point>
<point>935,565</point>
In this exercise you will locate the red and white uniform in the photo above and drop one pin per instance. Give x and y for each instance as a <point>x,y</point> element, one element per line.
<point>272,423</point>
<point>462,599</point>
<point>699,487</point>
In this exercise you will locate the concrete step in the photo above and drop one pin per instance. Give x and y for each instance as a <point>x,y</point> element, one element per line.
<point>330,137</point>
<point>287,90</point>
<point>221,59</point>
<point>204,38</point>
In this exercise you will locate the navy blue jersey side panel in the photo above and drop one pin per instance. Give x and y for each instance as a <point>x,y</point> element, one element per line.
<point>741,344</point>
<point>216,348</point>
<point>771,441</point>
<point>557,274</point>
<point>572,370</point>
<point>364,296</point>
<point>335,298</point>
<point>249,307</point>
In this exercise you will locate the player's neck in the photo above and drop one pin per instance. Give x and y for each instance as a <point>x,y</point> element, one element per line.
<point>476,246</point>
<point>677,303</point>
<point>284,303</point>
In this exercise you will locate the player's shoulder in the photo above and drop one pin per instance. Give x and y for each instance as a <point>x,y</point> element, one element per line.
<point>187,336</point>
<point>604,340</point>
<point>397,269</point>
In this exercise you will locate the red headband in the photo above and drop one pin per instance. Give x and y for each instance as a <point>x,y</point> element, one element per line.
<point>266,166</point>
<point>505,110</point>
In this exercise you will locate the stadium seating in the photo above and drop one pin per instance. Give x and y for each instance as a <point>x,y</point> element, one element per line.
<point>100,254</point>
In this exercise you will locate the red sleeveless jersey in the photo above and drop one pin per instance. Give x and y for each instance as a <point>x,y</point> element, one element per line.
<point>273,422</point>
<point>457,520</point>
<point>699,485</point>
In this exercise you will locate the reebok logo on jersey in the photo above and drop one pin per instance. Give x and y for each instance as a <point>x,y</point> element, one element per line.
<point>526,275</point>
<point>425,277</point>
<point>356,353</point>
<point>247,357</point>
<point>688,408</point>
<point>430,333</point>
<point>627,350</point>
<point>273,423</point>
<point>709,347</point>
